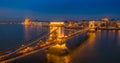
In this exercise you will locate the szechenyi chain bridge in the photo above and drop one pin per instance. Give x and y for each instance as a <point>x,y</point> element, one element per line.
<point>56,41</point>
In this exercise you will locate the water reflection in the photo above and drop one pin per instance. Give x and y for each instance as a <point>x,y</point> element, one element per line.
<point>91,39</point>
<point>119,38</point>
<point>33,31</point>
<point>57,59</point>
<point>27,31</point>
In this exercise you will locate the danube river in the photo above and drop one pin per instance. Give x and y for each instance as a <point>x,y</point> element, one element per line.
<point>101,46</point>
<point>11,35</point>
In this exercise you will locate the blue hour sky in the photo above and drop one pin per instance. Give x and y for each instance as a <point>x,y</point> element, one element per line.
<point>53,8</point>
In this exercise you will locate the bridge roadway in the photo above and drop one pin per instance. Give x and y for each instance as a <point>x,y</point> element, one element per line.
<point>45,47</point>
<point>35,51</point>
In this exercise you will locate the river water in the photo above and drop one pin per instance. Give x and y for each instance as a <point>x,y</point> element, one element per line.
<point>11,35</point>
<point>101,46</point>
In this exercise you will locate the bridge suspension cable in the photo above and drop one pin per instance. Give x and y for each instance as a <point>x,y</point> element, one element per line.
<point>28,44</point>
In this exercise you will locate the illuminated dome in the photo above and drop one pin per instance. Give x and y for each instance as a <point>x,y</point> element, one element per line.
<point>27,21</point>
<point>105,19</point>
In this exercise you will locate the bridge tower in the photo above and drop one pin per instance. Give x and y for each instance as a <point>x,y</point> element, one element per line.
<point>58,34</point>
<point>92,26</point>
